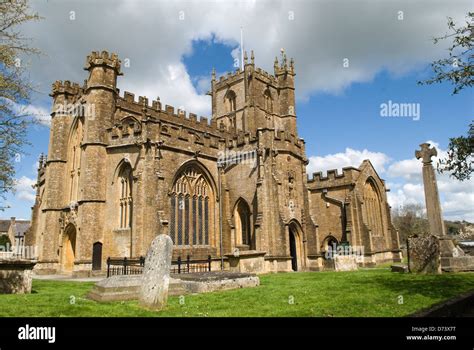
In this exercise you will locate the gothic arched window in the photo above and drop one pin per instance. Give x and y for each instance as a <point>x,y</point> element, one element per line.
<point>242,223</point>
<point>372,208</point>
<point>74,161</point>
<point>268,101</point>
<point>124,184</point>
<point>231,101</point>
<point>192,205</point>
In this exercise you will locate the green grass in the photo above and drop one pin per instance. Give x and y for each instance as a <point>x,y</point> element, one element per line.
<point>368,292</point>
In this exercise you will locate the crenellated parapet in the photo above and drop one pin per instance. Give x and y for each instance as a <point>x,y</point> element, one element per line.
<point>266,77</point>
<point>229,79</point>
<point>285,136</point>
<point>103,59</point>
<point>60,87</point>
<point>241,140</point>
<point>141,107</point>
<point>333,178</point>
<point>175,128</point>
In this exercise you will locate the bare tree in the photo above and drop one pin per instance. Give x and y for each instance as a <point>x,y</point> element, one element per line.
<point>410,220</point>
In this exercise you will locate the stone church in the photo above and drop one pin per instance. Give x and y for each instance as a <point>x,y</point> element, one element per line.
<point>119,171</point>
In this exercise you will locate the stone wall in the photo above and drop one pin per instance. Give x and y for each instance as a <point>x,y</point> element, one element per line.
<point>16,276</point>
<point>158,142</point>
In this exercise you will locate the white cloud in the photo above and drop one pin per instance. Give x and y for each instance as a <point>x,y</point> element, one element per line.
<point>174,88</point>
<point>350,157</point>
<point>322,34</point>
<point>406,194</point>
<point>24,189</point>
<point>457,197</point>
<point>40,114</point>
<point>405,181</point>
<point>154,39</point>
<point>459,205</point>
<point>409,169</point>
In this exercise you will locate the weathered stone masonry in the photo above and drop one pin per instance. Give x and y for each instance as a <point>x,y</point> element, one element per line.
<point>122,171</point>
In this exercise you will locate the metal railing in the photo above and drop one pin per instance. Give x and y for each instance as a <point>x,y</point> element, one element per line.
<point>134,266</point>
<point>125,266</point>
<point>190,266</point>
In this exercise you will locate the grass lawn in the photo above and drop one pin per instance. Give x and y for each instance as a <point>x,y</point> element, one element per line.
<point>368,292</point>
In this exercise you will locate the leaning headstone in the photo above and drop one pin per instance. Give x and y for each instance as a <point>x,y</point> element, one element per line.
<point>156,273</point>
<point>345,262</point>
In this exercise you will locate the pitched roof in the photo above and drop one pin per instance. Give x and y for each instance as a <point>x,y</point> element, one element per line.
<point>21,227</point>
<point>4,225</point>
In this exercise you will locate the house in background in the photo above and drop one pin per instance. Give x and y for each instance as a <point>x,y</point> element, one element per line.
<point>4,226</point>
<point>15,230</point>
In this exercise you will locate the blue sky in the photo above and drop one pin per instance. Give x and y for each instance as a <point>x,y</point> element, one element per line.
<point>338,108</point>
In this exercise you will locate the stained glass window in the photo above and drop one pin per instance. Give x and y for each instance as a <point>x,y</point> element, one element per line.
<point>191,204</point>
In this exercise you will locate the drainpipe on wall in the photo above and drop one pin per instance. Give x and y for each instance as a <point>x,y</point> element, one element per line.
<point>342,205</point>
<point>219,180</point>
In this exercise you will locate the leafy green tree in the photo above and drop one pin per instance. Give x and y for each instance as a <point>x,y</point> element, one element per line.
<point>459,162</point>
<point>15,88</point>
<point>458,69</point>
<point>4,240</point>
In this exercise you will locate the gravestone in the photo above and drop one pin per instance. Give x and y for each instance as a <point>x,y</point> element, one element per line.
<point>156,273</point>
<point>345,262</point>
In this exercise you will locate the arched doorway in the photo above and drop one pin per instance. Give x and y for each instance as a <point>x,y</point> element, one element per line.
<point>295,247</point>
<point>330,246</point>
<point>97,256</point>
<point>69,249</point>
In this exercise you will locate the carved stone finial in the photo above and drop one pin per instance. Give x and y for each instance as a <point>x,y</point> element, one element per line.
<point>283,57</point>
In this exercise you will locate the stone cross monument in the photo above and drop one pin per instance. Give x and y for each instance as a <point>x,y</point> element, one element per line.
<point>433,206</point>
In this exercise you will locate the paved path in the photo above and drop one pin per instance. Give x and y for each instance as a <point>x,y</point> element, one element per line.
<point>67,278</point>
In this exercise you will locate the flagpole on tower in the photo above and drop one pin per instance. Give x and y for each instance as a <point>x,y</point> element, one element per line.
<point>241,48</point>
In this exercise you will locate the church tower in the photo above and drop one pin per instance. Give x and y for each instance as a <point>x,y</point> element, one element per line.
<point>249,99</point>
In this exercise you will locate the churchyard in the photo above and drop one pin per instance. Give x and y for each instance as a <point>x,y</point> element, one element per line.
<point>373,292</point>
